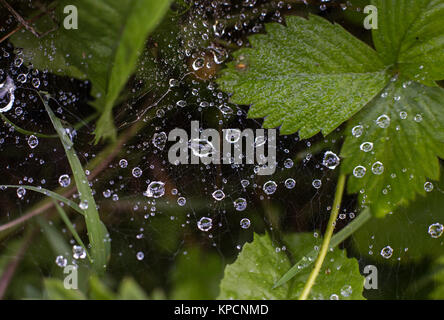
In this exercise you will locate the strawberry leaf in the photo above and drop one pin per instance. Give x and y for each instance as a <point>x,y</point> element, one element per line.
<point>398,139</point>
<point>309,76</point>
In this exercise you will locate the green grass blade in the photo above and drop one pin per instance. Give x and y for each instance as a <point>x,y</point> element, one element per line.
<point>309,258</point>
<point>71,228</point>
<point>97,233</point>
<point>48,193</point>
<point>26,132</point>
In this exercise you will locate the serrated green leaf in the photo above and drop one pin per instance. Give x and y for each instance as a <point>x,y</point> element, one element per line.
<point>337,239</point>
<point>104,48</point>
<point>259,266</point>
<point>411,33</point>
<point>309,76</point>
<point>408,149</point>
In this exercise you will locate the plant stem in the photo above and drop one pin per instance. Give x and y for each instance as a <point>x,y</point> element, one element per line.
<point>327,238</point>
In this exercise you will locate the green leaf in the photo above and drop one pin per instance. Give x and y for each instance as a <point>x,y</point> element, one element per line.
<point>259,266</point>
<point>58,243</point>
<point>71,228</point>
<point>104,48</point>
<point>97,233</point>
<point>405,231</point>
<point>436,276</point>
<point>98,290</point>
<point>309,76</point>
<point>55,290</point>
<point>411,34</point>
<point>189,283</point>
<point>407,148</point>
<point>337,239</point>
<point>130,290</point>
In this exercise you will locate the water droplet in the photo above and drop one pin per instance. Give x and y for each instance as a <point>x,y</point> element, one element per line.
<point>173,83</point>
<point>201,147</point>
<point>357,131</point>
<point>156,189</point>
<point>359,171</point>
<point>383,121</point>
<point>159,140</point>
<point>240,204</point>
<point>140,256</point>
<point>137,172</point>
<point>232,135</point>
<point>378,168</point>
<point>218,195</point>
<point>21,192</point>
<point>428,186</point>
<point>269,187</point>
<point>418,118</point>
<point>366,146</point>
<point>123,163</point>
<point>198,63</point>
<point>78,252</point>
<point>290,183</point>
<point>83,204</point>
<point>205,224</point>
<point>316,183</point>
<point>346,290</point>
<point>288,163</point>
<point>331,160</point>
<point>33,141</point>
<point>387,252</point>
<point>403,115</point>
<point>64,180</point>
<point>436,230</point>
<point>245,223</point>
<point>181,201</point>
<point>61,261</point>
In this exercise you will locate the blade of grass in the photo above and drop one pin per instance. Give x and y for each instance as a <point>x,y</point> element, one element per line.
<point>71,228</point>
<point>338,238</point>
<point>26,132</point>
<point>56,240</point>
<point>48,193</point>
<point>100,248</point>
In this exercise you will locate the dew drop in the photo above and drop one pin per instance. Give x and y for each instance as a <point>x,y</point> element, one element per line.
<point>156,189</point>
<point>64,180</point>
<point>378,168</point>
<point>436,230</point>
<point>33,141</point>
<point>205,224</point>
<point>387,252</point>
<point>218,195</point>
<point>331,160</point>
<point>245,223</point>
<point>359,171</point>
<point>240,204</point>
<point>78,252</point>
<point>269,187</point>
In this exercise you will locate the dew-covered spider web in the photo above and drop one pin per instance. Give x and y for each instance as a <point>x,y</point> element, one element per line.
<point>157,212</point>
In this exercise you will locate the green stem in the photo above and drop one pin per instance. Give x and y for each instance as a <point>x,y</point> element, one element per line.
<point>327,238</point>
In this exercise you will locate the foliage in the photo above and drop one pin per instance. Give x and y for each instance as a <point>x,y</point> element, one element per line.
<point>312,76</point>
<point>104,49</point>
<point>260,265</point>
